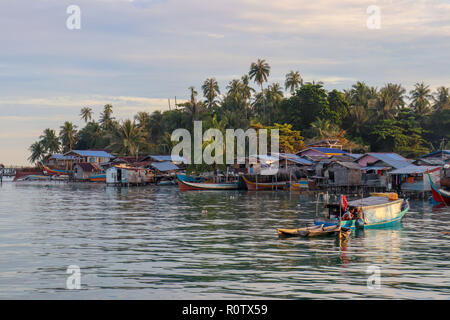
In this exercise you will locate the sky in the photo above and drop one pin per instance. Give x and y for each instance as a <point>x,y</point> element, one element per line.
<point>136,54</point>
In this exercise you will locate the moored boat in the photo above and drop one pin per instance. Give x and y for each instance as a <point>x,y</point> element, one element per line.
<point>439,195</point>
<point>371,212</point>
<point>188,183</point>
<point>315,231</point>
<point>98,178</point>
<point>264,184</point>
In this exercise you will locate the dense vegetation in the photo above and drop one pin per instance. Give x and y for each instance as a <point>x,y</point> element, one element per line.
<point>363,118</point>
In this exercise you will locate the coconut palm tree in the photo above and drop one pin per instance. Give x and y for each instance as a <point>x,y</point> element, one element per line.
<point>128,139</point>
<point>259,71</point>
<point>86,114</point>
<point>210,91</point>
<point>421,96</point>
<point>50,141</point>
<point>293,81</point>
<point>37,152</point>
<point>142,118</point>
<point>67,135</point>
<point>441,99</point>
<point>106,118</point>
<point>390,100</point>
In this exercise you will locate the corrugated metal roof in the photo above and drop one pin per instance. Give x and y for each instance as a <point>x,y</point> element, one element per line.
<point>164,166</point>
<point>58,156</point>
<point>375,168</point>
<point>414,169</point>
<point>392,159</point>
<point>329,150</point>
<point>92,153</point>
<point>436,152</point>
<point>292,157</point>
<point>167,158</point>
<point>349,165</point>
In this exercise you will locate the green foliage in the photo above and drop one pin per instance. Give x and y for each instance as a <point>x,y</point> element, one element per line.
<point>359,117</point>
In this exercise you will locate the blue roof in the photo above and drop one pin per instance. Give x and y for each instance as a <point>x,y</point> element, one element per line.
<point>436,152</point>
<point>59,156</point>
<point>329,150</point>
<point>92,153</point>
<point>293,157</point>
<point>164,166</point>
<point>167,158</point>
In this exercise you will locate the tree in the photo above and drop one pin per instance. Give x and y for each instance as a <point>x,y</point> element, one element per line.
<point>337,109</point>
<point>142,119</point>
<point>106,119</point>
<point>259,71</point>
<point>37,152</point>
<point>390,100</point>
<point>86,114</point>
<point>129,139</point>
<point>210,91</point>
<point>67,135</point>
<point>402,135</point>
<point>441,99</point>
<point>420,96</point>
<point>293,81</point>
<point>50,141</point>
<point>313,102</point>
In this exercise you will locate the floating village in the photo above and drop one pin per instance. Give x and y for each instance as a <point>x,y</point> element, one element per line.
<point>377,185</point>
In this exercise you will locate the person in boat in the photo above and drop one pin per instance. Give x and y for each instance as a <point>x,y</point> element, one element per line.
<point>349,214</point>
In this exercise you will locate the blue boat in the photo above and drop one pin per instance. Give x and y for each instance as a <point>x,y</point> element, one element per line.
<point>370,212</point>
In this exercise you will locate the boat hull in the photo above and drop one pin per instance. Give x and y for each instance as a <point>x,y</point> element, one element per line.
<point>253,186</point>
<point>186,185</point>
<point>98,178</point>
<point>439,195</point>
<point>378,216</point>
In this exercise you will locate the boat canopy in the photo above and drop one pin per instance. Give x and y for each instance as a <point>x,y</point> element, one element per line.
<point>369,201</point>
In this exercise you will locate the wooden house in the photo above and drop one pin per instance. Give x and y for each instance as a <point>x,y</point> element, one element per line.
<point>127,175</point>
<point>414,178</point>
<point>88,156</point>
<point>84,170</point>
<point>340,173</point>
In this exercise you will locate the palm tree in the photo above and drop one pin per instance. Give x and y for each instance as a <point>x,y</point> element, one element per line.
<point>293,81</point>
<point>420,96</point>
<point>106,119</point>
<point>67,135</point>
<point>390,100</point>
<point>128,139</point>
<point>441,99</point>
<point>324,128</point>
<point>210,91</point>
<point>50,141</point>
<point>37,152</point>
<point>193,107</point>
<point>86,114</point>
<point>142,119</point>
<point>259,71</point>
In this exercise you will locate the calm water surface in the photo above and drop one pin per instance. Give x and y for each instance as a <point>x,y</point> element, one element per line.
<point>157,243</point>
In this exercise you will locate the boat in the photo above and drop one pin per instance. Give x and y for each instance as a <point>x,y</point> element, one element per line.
<point>314,231</point>
<point>53,172</point>
<point>265,184</point>
<point>189,183</point>
<point>376,211</point>
<point>303,184</point>
<point>439,195</point>
<point>98,178</point>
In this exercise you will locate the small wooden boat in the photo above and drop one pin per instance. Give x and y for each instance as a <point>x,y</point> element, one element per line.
<point>186,183</point>
<point>53,172</point>
<point>314,231</point>
<point>98,178</point>
<point>373,212</point>
<point>264,185</point>
<point>439,195</point>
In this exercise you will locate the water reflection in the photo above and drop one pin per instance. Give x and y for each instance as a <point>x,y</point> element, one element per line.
<point>155,242</point>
